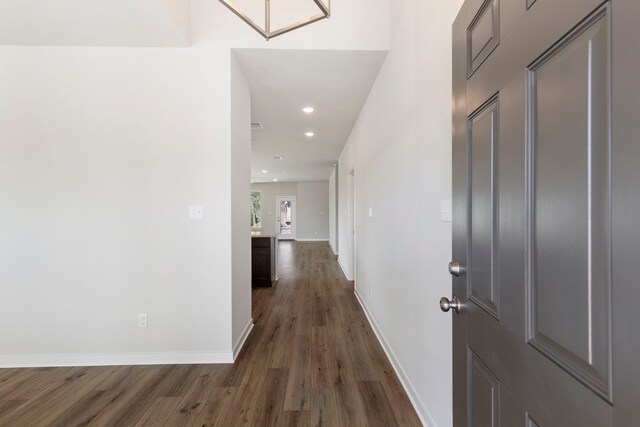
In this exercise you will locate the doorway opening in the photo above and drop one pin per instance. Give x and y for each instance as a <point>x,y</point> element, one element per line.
<point>286,217</point>
<point>352,223</point>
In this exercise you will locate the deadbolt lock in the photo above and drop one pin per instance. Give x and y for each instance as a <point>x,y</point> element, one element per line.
<point>446,305</point>
<point>456,269</point>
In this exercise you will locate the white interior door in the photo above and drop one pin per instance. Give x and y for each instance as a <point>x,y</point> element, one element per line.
<point>286,217</point>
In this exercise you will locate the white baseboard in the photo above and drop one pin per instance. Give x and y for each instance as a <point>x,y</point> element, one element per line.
<point>332,248</point>
<point>417,403</point>
<point>344,270</point>
<point>312,240</point>
<point>242,339</point>
<point>117,359</point>
<point>120,359</point>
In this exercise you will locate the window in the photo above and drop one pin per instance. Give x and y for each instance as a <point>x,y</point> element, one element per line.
<point>256,210</point>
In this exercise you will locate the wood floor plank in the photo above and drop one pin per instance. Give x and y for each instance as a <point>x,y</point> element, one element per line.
<point>218,404</point>
<point>352,408</point>
<point>325,409</point>
<point>360,355</point>
<point>8,406</point>
<point>126,404</point>
<point>48,405</point>
<point>270,411</point>
<point>312,359</point>
<point>298,393</point>
<point>197,394</point>
<point>320,363</point>
<point>377,407</point>
<point>161,413</point>
<point>81,410</point>
<point>33,383</point>
<point>297,419</point>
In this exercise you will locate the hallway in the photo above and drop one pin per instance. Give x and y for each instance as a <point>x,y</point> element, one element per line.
<point>312,359</point>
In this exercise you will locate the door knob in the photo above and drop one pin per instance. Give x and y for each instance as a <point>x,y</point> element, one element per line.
<point>446,305</point>
<point>456,269</point>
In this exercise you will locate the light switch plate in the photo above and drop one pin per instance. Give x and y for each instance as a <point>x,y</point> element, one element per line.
<point>370,212</point>
<point>446,210</point>
<point>143,320</point>
<point>196,212</point>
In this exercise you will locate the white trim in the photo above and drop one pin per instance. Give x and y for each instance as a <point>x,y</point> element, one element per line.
<point>344,270</point>
<point>418,405</point>
<point>312,240</point>
<point>332,248</point>
<point>116,359</point>
<point>354,227</point>
<point>242,339</point>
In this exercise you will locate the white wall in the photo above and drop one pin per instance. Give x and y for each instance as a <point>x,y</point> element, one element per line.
<point>268,208</point>
<point>313,211</point>
<point>312,207</point>
<point>400,149</point>
<point>333,210</point>
<point>102,150</point>
<point>95,23</point>
<point>101,153</point>
<point>240,189</point>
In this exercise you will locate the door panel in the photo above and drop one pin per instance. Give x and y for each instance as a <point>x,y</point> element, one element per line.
<point>530,422</point>
<point>484,33</point>
<point>483,128</point>
<point>570,232</point>
<point>511,413</point>
<point>536,31</point>
<point>485,394</point>
<point>536,204</point>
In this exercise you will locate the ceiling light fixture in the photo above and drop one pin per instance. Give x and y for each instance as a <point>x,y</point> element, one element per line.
<point>323,5</point>
<point>308,110</point>
<point>310,134</point>
<point>264,171</point>
<point>275,179</point>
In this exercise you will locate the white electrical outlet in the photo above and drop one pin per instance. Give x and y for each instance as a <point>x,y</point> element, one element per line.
<point>142,320</point>
<point>196,212</point>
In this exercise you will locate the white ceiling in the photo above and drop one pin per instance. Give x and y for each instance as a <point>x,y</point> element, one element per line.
<point>335,83</point>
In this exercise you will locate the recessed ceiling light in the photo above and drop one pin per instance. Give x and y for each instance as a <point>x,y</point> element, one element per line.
<point>310,134</point>
<point>264,171</point>
<point>308,110</point>
<point>275,179</point>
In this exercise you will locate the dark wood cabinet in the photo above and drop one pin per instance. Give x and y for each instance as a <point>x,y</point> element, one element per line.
<point>264,261</point>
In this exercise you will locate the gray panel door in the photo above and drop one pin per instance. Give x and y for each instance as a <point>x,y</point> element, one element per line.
<point>546,187</point>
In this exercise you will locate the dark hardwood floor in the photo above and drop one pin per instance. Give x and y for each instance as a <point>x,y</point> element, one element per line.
<point>312,359</point>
